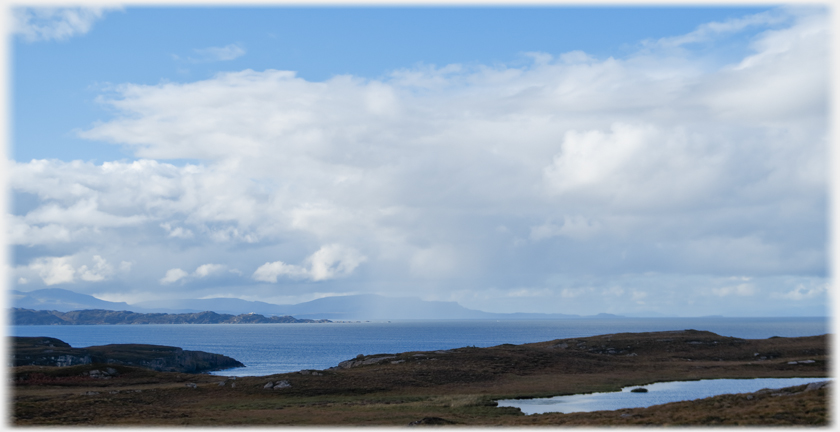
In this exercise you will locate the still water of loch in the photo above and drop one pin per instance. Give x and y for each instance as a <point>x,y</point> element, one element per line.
<point>658,393</point>
<point>277,348</point>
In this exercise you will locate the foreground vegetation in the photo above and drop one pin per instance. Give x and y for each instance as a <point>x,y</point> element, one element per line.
<point>453,387</point>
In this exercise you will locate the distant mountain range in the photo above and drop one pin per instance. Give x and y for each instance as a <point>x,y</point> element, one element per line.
<point>352,307</point>
<point>100,316</point>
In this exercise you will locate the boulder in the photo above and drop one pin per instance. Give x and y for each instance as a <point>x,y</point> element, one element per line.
<point>817,385</point>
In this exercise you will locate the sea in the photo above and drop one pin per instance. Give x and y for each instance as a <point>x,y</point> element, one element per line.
<point>267,349</point>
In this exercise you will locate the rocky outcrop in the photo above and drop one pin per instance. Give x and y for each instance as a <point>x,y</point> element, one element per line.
<point>277,385</point>
<point>363,362</point>
<point>45,351</point>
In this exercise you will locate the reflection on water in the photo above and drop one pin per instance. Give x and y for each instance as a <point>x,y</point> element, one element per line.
<point>658,393</point>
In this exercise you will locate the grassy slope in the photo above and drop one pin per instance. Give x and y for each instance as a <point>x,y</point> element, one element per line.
<point>457,386</point>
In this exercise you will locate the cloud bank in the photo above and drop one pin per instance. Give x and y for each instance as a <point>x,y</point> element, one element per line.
<point>472,183</point>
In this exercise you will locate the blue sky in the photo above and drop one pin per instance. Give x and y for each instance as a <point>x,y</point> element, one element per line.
<point>636,160</point>
<point>144,45</point>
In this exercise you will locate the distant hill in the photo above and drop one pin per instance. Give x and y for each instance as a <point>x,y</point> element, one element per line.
<point>99,316</point>
<point>63,300</point>
<point>352,307</point>
<point>220,305</point>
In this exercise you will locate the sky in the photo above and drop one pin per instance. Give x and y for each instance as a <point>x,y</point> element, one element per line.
<point>641,161</point>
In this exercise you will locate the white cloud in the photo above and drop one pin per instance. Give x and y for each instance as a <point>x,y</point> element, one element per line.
<point>67,269</point>
<point>173,275</point>
<point>98,272</point>
<point>225,53</point>
<point>54,270</point>
<point>745,289</point>
<point>656,162</point>
<point>801,292</point>
<point>329,262</point>
<point>205,270</point>
<point>177,232</point>
<point>49,23</point>
<point>201,272</point>
<point>711,31</point>
<point>270,271</point>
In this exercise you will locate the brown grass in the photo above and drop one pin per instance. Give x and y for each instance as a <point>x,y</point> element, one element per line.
<point>458,386</point>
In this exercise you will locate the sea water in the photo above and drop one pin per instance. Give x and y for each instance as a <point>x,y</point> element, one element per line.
<point>267,349</point>
<point>657,394</point>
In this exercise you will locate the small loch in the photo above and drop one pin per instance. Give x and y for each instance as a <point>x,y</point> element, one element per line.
<point>657,393</point>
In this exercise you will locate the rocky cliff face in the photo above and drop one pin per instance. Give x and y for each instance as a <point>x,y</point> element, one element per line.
<point>45,351</point>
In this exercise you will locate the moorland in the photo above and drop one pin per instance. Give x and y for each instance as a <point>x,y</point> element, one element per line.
<point>456,387</point>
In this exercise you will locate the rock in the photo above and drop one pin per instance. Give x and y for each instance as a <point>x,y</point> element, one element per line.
<point>639,390</point>
<point>806,361</point>
<point>562,345</point>
<point>282,384</point>
<point>232,385</point>
<point>792,362</point>
<point>269,385</point>
<point>191,385</point>
<point>354,363</point>
<point>221,383</point>
<point>817,385</point>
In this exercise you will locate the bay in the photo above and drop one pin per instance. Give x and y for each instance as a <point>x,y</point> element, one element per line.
<point>657,394</point>
<point>268,349</point>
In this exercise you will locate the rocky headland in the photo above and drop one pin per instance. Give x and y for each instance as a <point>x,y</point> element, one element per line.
<point>46,351</point>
